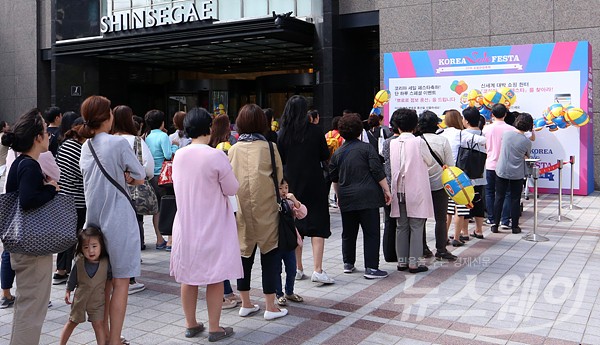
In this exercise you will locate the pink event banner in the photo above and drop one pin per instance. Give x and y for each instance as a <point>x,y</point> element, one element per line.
<point>539,75</point>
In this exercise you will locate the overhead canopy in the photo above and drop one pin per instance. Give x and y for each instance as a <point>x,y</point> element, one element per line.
<point>264,44</point>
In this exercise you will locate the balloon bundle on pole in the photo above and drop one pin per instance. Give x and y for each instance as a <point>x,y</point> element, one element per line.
<point>485,102</point>
<point>557,116</point>
<point>381,98</point>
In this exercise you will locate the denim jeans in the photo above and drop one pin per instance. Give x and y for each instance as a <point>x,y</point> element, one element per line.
<point>490,198</point>
<point>515,187</point>
<point>227,288</point>
<point>289,261</point>
<point>7,274</point>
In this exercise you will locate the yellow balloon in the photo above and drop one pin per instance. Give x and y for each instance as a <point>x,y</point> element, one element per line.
<point>224,146</point>
<point>458,186</point>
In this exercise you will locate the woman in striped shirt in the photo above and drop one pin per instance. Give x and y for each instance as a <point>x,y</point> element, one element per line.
<point>71,183</point>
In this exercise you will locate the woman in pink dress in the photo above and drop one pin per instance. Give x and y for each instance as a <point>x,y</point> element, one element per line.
<point>205,246</point>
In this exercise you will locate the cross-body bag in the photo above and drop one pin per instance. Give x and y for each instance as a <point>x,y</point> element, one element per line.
<point>108,177</point>
<point>435,156</point>
<point>48,229</point>
<point>471,160</point>
<point>287,228</point>
<point>143,196</point>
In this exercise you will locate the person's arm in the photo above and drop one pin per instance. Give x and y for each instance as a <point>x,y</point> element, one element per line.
<point>49,166</point>
<point>33,191</point>
<point>298,208</point>
<point>147,159</point>
<point>386,191</point>
<point>71,284</point>
<point>229,184</point>
<point>166,147</point>
<point>133,170</point>
<point>323,149</point>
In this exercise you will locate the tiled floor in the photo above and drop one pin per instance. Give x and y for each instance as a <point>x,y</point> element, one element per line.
<point>502,290</point>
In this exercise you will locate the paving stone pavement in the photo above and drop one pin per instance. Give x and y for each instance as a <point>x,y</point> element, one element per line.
<point>502,290</point>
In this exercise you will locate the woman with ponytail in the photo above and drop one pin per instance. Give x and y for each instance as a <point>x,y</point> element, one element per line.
<point>108,208</point>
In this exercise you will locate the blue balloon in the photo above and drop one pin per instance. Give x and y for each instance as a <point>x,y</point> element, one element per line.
<point>485,112</point>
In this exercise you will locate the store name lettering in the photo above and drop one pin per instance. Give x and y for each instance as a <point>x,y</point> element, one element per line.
<point>476,58</point>
<point>151,17</point>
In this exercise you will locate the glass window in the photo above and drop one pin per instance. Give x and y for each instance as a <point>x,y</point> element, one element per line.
<point>230,9</point>
<point>119,5</point>
<point>304,8</point>
<point>140,3</point>
<point>255,8</point>
<point>282,6</point>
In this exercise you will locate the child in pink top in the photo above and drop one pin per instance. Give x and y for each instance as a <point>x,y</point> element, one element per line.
<point>289,257</point>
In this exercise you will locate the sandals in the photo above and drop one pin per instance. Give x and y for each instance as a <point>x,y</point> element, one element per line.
<point>194,331</point>
<point>124,341</point>
<point>216,336</point>
<point>294,298</point>
<point>281,300</point>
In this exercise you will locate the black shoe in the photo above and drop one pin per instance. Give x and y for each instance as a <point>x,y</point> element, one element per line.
<point>476,235</point>
<point>58,279</point>
<point>445,256</point>
<point>418,269</point>
<point>402,268</point>
<point>143,246</point>
<point>494,229</point>
<point>456,243</point>
<point>516,230</point>
<point>374,273</point>
<point>464,238</point>
<point>427,253</point>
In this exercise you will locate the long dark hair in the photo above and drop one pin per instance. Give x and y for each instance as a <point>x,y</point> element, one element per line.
<point>123,120</point>
<point>294,120</point>
<point>219,130</point>
<point>22,135</point>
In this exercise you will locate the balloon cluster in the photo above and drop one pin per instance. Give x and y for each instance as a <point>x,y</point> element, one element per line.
<point>557,116</point>
<point>381,98</point>
<point>484,103</point>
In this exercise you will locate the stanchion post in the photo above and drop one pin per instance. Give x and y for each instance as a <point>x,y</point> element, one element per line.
<point>570,206</point>
<point>532,236</point>
<point>560,217</point>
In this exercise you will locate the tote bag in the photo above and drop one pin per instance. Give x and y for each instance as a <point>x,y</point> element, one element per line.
<point>48,229</point>
<point>470,159</point>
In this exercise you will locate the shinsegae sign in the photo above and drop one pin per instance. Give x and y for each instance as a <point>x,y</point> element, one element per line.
<point>149,17</point>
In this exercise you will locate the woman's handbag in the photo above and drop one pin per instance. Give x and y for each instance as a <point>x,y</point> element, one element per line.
<point>143,196</point>
<point>471,160</point>
<point>45,230</point>
<point>166,173</point>
<point>287,229</point>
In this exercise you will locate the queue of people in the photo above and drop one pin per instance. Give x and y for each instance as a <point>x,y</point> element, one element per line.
<point>227,204</point>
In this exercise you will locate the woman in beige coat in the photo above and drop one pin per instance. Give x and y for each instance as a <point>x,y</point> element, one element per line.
<point>257,215</point>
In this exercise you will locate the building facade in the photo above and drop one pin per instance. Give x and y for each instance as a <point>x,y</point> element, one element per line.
<point>175,54</point>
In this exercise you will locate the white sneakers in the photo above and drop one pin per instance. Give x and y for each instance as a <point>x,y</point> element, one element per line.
<point>316,277</point>
<point>135,288</point>
<point>321,278</point>
<point>300,275</point>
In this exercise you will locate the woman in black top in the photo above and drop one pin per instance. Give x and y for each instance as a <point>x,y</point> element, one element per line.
<point>303,147</point>
<point>360,184</point>
<point>30,138</point>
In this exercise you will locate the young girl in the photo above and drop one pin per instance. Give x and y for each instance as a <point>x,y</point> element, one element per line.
<point>289,258</point>
<point>88,278</point>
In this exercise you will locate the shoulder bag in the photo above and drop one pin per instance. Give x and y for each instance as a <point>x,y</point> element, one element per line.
<point>48,229</point>
<point>108,177</point>
<point>287,228</point>
<point>143,196</point>
<point>471,160</point>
